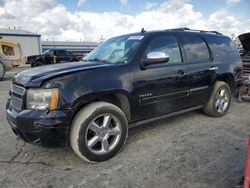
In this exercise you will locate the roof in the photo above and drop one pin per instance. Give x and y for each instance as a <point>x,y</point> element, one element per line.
<point>68,43</point>
<point>174,31</point>
<point>17,32</point>
<point>194,30</point>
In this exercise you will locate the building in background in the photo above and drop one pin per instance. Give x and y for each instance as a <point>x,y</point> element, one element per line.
<point>86,47</point>
<point>30,42</point>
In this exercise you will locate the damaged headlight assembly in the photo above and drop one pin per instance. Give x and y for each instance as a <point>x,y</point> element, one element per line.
<point>41,99</point>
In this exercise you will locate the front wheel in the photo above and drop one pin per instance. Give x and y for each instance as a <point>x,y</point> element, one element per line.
<point>98,131</point>
<point>219,101</point>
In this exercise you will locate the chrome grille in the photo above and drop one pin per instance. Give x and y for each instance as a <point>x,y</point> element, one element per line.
<point>17,95</point>
<point>18,90</point>
<point>16,103</point>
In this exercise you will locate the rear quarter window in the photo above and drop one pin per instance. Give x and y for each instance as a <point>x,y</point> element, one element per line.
<point>196,49</point>
<point>221,46</point>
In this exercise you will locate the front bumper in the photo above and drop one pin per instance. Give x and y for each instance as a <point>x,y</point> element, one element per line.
<point>41,127</point>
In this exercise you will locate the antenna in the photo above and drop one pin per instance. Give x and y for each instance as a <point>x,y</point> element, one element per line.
<point>143,30</point>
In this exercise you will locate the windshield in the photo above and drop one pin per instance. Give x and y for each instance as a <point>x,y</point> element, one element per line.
<point>45,52</point>
<point>115,50</point>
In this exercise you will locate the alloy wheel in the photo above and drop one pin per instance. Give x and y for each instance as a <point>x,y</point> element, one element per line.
<point>103,134</point>
<point>222,100</point>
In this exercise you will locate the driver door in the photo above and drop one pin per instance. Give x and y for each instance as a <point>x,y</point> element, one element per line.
<point>161,88</point>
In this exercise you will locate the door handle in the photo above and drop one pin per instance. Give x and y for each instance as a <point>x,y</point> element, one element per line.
<point>213,68</point>
<point>181,73</point>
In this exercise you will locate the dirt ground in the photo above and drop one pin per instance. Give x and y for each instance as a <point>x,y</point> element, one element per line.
<point>189,150</point>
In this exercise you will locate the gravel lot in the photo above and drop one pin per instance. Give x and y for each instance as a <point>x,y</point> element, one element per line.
<point>189,150</point>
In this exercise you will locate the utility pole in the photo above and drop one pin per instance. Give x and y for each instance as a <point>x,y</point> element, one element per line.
<point>101,39</point>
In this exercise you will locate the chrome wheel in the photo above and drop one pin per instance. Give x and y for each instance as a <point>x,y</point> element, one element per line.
<point>222,100</point>
<point>103,134</point>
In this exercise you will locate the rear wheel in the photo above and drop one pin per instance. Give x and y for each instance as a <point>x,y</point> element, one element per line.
<point>219,101</point>
<point>98,131</point>
<point>2,71</point>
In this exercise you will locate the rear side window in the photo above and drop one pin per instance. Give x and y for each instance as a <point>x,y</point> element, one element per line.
<point>196,49</point>
<point>168,45</point>
<point>221,44</point>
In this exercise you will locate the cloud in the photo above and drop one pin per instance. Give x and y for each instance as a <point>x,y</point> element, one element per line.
<point>231,2</point>
<point>227,23</point>
<point>54,20</point>
<point>124,2</point>
<point>81,2</point>
<point>150,5</point>
<point>38,4</point>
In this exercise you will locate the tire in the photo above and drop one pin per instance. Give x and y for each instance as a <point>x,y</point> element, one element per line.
<point>2,71</point>
<point>219,103</point>
<point>88,125</point>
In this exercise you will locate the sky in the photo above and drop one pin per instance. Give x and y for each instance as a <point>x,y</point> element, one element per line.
<point>91,20</point>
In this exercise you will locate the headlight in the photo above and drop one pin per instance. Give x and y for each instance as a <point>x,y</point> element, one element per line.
<point>42,99</point>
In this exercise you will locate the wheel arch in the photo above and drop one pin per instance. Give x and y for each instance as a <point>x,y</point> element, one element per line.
<point>119,99</point>
<point>229,79</point>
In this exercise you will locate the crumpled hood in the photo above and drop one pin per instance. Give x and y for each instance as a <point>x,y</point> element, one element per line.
<point>34,77</point>
<point>245,41</point>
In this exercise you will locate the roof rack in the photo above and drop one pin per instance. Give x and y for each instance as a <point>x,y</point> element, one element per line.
<point>194,30</point>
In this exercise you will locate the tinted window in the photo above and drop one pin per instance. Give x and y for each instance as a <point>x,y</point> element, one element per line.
<point>168,45</point>
<point>196,49</point>
<point>221,44</point>
<point>60,52</point>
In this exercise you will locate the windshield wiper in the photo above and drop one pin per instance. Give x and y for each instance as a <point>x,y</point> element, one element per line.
<point>97,59</point>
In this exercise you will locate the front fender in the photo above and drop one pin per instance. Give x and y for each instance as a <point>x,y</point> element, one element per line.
<point>88,85</point>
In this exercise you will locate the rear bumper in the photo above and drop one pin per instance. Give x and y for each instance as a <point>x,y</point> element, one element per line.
<point>40,127</point>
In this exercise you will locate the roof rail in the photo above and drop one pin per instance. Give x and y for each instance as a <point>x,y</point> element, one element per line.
<point>195,30</point>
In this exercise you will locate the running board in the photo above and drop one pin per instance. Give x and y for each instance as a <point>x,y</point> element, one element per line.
<point>163,116</point>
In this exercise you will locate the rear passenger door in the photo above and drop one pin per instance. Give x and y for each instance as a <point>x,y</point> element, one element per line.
<point>200,68</point>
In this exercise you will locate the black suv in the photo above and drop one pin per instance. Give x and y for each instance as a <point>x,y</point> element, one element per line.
<point>55,56</point>
<point>128,80</point>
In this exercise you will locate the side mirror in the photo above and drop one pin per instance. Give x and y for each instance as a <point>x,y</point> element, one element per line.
<point>156,58</point>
